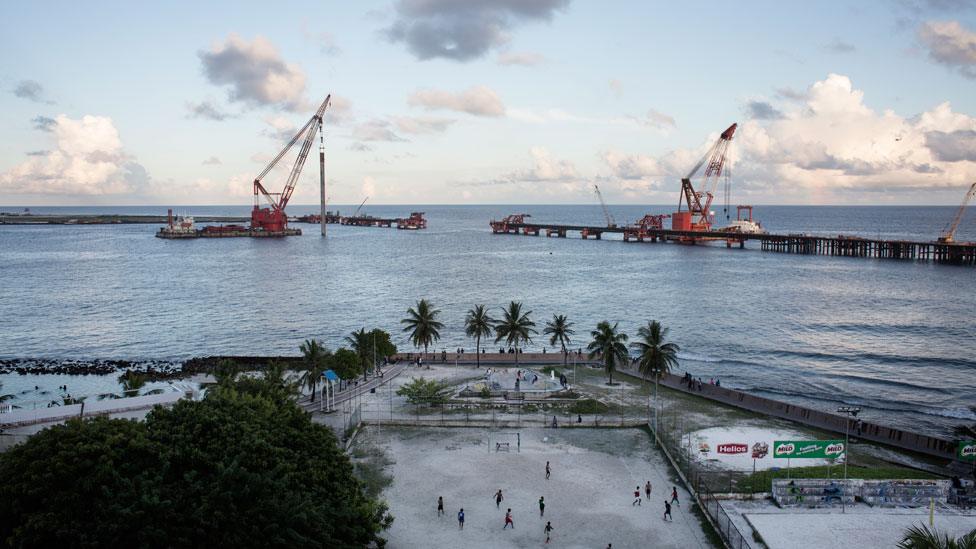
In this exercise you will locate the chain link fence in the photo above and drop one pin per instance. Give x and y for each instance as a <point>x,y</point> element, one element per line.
<point>705,483</point>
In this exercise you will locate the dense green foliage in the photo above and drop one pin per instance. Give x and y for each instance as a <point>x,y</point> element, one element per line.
<point>244,467</point>
<point>515,327</point>
<point>761,481</point>
<point>920,537</point>
<point>422,324</point>
<point>610,345</point>
<point>656,357</point>
<point>559,329</point>
<point>345,363</point>
<point>314,360</point>
<point>425,391</point>
<point>478,324</point>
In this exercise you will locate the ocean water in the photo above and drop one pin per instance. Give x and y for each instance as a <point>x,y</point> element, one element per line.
<point>898,338</point>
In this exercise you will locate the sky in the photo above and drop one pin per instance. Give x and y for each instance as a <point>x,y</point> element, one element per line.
<point>487,101</point>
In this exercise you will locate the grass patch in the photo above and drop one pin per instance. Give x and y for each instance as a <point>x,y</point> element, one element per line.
<point>588,406</point>
<point>761,481</point>
<point>370,465</point>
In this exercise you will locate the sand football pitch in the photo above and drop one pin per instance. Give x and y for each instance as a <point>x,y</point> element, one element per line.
<point>588,496</point>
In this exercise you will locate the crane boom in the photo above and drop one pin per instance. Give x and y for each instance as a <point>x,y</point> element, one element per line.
<point>699,202</point>
<point>361,204</point>
<point>611,222</point>
<point>273,218</point>
<point>949,233</point>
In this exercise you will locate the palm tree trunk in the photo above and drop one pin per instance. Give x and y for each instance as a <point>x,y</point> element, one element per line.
<point>564,356</point>
<point>477,350</point>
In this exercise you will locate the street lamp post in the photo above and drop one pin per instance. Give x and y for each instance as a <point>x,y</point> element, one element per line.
<point>849,412</point>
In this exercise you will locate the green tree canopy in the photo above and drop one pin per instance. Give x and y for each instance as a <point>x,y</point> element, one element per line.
<point>244,467</point>
<point>656,357</point>
<point>478,324</point>
<point>921,537</point>
<point>610,345</point>
<point>425,391</point>
<point>515,327</point>
<point>345,363</point>
<point>422,324</point>
<point>559,329</point>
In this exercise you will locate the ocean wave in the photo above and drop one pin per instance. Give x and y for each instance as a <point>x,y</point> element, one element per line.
<point>697,358</point>
<point>880,405</point>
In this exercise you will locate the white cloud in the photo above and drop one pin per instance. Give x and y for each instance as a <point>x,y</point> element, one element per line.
<point>368,187</point>
<point>463,30</point>
<point>256,73</point>
<point>421,124</point>
<point>659,120</point>
<point>479,101</point>
<point>87,159</point>
<point>950,44</point>
<point>525,59</point>
<point>616,86</point>
<point>375,130</point>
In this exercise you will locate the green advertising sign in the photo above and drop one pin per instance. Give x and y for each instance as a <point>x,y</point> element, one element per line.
<point>967,450</point>
<point>797,449</point>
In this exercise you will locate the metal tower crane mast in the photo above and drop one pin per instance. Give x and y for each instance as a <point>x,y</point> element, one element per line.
<point>949,233</point>
<point>361,204</point>
<point>699,202</point>
<point>611,222</point>
<point>273,218</point>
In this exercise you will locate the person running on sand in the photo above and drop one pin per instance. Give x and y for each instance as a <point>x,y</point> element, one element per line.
<point>548,530</point>
<point>547,470</point>
<point>498,498</point>
<point>674,496</point>
<point>647,490</point>
<point>461,519</point>
<point>667,511</point>
<point>542,506</point>
<point>440,505</point>
<point>637,498</point>
<point>508,520</point>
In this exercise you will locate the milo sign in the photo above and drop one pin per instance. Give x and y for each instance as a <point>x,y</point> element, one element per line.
<point>967,450</point>
<point>799,449</point>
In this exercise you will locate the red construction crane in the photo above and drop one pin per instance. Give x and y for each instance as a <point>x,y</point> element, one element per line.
<point>949,233</point>
<point>698,216</point>
<point>273,218</point>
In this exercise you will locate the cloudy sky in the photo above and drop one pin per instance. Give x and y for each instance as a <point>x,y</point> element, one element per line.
<point>488,101</point>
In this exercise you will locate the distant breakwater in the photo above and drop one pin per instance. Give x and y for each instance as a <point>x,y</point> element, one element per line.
<point>154,370</point>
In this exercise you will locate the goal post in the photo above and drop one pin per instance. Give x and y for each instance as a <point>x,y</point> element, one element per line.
<point>505,442</point>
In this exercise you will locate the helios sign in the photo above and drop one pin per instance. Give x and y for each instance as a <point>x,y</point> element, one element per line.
<point>797,449</point>
<point>733,448</point>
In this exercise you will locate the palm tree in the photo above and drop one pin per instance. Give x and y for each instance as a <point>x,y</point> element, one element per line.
<point>132,382</point>
<point>515,327</point>
<point>610,345</point>
<point>478,324</point>
<point>920,537</point>
<point>359,341</point>
<point>313,357</point>
<point>559,329</point>
<point>656,357</point>
<point>422,324</point>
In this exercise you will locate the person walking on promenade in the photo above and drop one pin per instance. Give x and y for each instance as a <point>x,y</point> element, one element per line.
<point>440,506</point>
<point>508,520</point>
<point>542,506</point>
<point>548,530</point>
<point>674,496</point>
<point>461,519</point>
<point>548,471</point>
<point>498,498</point>
<point>667,511</point>
<point>647,490</point>
<point>637,498</point>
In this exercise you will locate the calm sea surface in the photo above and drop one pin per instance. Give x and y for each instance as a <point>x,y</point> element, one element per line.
<point>897,338</point>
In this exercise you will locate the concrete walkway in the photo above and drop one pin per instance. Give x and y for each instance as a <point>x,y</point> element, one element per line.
<point>356,390</point>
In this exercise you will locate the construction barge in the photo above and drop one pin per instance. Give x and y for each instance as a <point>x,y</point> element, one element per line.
<point>415,222</point>
<point>953,253</point>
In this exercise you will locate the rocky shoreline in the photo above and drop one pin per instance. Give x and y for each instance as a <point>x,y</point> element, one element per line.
<point>155,370</point>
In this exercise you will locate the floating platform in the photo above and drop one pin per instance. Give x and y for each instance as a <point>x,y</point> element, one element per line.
<point>416,221</point>
<point>33,219</point>
<point>955,253</point>
<point>228,231</point>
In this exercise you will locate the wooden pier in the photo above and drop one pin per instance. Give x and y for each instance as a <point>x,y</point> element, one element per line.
<point>957,253</point>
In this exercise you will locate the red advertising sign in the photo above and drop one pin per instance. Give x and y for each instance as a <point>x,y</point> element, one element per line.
<point>759,450</point>
<point>733,448</point>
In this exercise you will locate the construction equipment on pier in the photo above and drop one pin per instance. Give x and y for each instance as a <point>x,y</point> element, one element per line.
<point>949,233</point>
<point>611,222</point>
<point>361,204</point>
<point>272,219</point>
<point>698,216</point>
